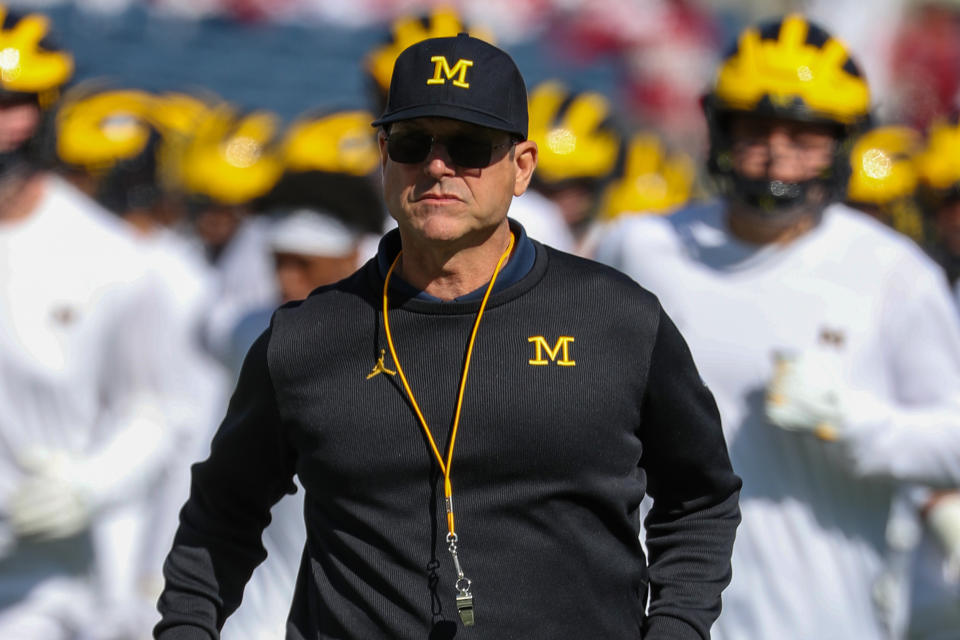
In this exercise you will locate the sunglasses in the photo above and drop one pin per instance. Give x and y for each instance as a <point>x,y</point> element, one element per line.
<point>467,151</point>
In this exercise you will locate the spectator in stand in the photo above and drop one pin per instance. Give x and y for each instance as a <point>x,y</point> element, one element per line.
<point>925,74</point>
<point>664,50</point>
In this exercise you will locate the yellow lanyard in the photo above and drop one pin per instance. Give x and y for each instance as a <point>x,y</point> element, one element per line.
<point>464,598</point>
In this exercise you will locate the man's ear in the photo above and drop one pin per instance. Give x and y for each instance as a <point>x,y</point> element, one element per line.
<point>382,141</point>
<point>525,157</point>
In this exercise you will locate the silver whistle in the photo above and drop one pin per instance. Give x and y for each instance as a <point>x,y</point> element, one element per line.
<point>465,608</point>
<point>464,597</point>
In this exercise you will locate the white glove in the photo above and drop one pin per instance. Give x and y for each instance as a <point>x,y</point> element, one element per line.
<point>63,491</point>
<point>943,519</point>
<point>806,393</point>
<point>52,502</point>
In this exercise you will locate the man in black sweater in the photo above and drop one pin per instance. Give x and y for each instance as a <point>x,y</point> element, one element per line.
<point>475,417</point>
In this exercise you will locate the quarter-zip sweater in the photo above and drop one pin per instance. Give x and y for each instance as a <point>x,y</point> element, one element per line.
<point>582,397</point>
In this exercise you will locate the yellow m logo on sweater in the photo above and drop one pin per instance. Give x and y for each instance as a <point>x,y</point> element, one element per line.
<point>561,348</point>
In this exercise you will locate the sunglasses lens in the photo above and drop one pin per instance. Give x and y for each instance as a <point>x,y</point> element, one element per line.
<point>465,151</point>
<point>409,148</point>
<point>469,152</point>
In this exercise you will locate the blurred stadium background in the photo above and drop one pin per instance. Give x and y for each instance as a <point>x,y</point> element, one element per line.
<point>651,58</point>
<point>291,55</point>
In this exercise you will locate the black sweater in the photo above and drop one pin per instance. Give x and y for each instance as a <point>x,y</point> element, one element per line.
<point>550,465</point>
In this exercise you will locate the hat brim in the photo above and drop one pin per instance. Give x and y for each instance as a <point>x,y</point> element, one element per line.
<point>454,112</point>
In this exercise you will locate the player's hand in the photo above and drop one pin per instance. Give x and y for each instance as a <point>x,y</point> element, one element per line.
<point>806,394</point>
<point>52,502</point>
<point>943,518</point>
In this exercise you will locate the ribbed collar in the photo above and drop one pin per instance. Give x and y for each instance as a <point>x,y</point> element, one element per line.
<point>521,277</point>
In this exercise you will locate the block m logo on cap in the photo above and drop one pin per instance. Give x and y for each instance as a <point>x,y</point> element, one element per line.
<point>443,72</point>
<point>461,78</point>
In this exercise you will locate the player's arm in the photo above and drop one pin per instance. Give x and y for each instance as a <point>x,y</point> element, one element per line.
<point>918,438</point>
<point>64,489</point>
<point>217,546</point>
<point>691,528</point>
<point>911,434</point>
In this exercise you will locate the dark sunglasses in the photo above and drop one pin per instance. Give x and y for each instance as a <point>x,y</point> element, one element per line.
<point>467,151</point>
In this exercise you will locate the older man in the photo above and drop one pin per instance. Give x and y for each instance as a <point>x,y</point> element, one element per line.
<point>548,393</point>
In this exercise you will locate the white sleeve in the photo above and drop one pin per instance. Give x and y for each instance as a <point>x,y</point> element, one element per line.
<point>135,437</point>
<point>915,435</point>
<point>608,247</point>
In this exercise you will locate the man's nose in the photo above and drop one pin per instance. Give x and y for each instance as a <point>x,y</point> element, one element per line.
<point>438,162</point>
<point>783,157</point>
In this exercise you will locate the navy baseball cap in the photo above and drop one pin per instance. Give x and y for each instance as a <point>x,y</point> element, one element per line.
<point>461,78</point>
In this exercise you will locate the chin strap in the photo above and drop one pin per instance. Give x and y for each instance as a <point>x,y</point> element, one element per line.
<point>12,162</point>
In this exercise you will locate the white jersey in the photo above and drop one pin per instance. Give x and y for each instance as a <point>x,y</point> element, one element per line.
<point>246,280</point>
<point>542,220</point>
<point>82,351</point>
<point>201,387</point>
<point>812,543</point>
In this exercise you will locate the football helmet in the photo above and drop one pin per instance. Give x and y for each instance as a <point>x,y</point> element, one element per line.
<point>884,177</point>
<point>30,63</point>
<point>231,158</point>
<point>576,133</point>
<point>96,129</point>
<point>653,181</point>
<point>883,167</point>
<point>339,142</point>
<point>938,164</point>
<point>790,69</point>
<point>406,30</point>
<point>331,161</point>
<point>33,70</point>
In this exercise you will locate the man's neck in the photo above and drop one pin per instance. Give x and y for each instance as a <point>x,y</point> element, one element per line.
<point>19,195</point>
<point>447,271</point>
<point>754,229</point>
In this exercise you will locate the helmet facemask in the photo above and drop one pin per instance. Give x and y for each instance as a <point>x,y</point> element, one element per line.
<point>766,197</point>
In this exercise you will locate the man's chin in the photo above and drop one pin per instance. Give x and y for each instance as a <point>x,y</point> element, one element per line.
<point>443,226</point>
<point>454,232</point>
<point>444,233</point>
